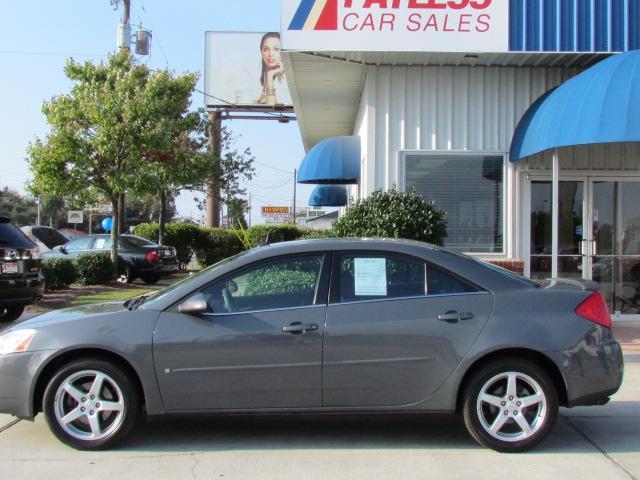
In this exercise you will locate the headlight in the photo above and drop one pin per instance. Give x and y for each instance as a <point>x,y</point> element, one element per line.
<point>17,341</point>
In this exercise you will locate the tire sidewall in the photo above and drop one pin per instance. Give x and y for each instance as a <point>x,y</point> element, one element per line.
<point>472,391</point>
<point>129,393</point>
<point>11,313</point>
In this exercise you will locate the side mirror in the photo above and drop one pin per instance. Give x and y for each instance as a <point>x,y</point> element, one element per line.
<point>196,305</point>
<point>60,248</point>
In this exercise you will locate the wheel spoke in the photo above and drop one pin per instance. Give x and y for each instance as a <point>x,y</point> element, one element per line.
<point>491,400</point>
<point>96,387</point>
<point>523,424</point>
<point>111,406</point>
<point>532,400</point>
<point>512,385</point>
<point>73,415</point>
<point>73,391</point>
<point>498,423</point>
<point>94,423</point>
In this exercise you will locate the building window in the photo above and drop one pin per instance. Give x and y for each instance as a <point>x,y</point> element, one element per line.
<point>470,188</point>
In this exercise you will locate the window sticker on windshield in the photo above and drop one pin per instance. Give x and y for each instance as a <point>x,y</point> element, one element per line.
<point>99,244</point>
<point>370,276</point>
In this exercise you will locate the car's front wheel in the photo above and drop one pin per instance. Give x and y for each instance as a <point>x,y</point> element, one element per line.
<point>510,405</point>
<point>91,404</point>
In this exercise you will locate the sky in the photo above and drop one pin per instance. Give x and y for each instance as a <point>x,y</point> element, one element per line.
<point>38,36</point>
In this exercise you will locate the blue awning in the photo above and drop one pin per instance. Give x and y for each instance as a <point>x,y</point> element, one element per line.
<point>600,105</point>
<point>328,196</point>
<point>335,160</point>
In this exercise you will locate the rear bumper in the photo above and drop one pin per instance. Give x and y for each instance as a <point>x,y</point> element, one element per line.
<point>20,292</point>
<point>592,371</point>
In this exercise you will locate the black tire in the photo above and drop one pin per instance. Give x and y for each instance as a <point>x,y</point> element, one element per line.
<point>9,314</point>
<point>494,378</point>
<point>150,279</point>
<point>117,424</point>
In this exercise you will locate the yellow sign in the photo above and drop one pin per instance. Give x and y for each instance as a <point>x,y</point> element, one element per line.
<point>275,211</point>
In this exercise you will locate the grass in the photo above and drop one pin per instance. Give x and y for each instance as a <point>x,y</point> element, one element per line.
<point>119,295</point>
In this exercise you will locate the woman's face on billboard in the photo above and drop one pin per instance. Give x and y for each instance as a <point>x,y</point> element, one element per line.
<point>271,52</point>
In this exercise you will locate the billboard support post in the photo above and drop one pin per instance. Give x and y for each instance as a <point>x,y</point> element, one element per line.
<point>213,188</point>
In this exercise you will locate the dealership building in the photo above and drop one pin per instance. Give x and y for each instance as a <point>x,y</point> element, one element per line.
<point>520,118</point>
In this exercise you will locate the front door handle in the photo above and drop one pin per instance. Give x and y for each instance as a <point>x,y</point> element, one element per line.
<point>299,327</point>
<point>453,317</point>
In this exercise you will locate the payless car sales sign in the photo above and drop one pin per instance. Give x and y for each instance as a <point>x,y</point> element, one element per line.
<point>396,25</point>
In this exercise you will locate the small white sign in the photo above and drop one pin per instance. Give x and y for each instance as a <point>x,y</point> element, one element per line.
<point>370,277</point>
<point>75,216</point>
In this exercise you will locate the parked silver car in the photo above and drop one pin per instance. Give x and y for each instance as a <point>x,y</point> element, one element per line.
<point>321,326</point>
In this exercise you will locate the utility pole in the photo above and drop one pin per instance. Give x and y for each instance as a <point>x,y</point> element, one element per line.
<point>295,183</point>
<point>212,217</point>
<point>124,43</point>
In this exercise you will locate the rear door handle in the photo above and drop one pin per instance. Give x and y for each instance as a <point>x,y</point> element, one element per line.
<point>453,317</point>
<point>299,327</point>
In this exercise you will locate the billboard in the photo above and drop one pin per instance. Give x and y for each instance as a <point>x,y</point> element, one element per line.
<point>244,69</point>
<point>396,25</point>
<point>275,212</point>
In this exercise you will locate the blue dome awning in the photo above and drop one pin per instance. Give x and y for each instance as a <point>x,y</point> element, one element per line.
<point>600,105</point>
<point>329,196</point>
<point>335,160</point>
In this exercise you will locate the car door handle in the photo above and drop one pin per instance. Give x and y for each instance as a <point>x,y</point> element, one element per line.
<point>299,327</point>
<point>453,317</point>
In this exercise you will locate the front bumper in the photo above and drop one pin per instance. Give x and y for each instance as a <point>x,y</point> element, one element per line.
<point>592,370</point>
<point>18,374</point>
<point>20,292</point>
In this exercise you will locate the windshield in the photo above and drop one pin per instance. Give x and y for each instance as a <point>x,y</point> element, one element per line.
<point>50,237</point>
<point>191,279</point>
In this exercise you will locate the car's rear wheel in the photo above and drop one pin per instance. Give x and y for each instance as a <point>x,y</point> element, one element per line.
<point>91,404</point>
<point>9,314</point>
<point>150,278</point>
<point>510,405</point>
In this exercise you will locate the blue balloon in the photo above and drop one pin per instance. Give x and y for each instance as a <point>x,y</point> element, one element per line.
<point>107,223</point>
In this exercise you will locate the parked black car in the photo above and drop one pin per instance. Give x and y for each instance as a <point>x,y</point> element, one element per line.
<point>21,282</point>
<point>140,258</point>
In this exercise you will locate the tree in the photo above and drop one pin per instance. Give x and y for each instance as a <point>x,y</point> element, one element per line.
<point>237,208</point>
<point>21,210</point>
<point>104,133</point>
<point>393,214</point>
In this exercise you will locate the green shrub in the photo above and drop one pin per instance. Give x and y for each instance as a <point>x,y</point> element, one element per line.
<point>393,214</point>
<point>58,273</point>
<point>216,244</point>
<point>95,269</point>
<point>277,280</point>
<point>185,237</point>
<point>273,233</point>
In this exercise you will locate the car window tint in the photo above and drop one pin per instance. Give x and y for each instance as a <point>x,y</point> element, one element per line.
<point>78,244</point>
<point>50,237</point>
<point>102,243</point>
<point>138,241</point>
<point>370,277</point>
<point>285,283</point>
<point>440,282</point>
<point>11,236</point>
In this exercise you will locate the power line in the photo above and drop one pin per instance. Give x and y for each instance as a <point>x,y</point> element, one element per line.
<point>273,168</point>
<point>272,187</point>
<point>63,54</point>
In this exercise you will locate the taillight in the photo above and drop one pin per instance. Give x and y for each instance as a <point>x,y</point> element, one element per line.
<point>152,256</point>
<point>595,308</point>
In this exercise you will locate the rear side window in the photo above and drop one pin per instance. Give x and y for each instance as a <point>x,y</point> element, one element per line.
<point>12,237</point>
<point>441,282</point>
<point>375,277</point>
<point>102,243</point>
<point>138,241</point>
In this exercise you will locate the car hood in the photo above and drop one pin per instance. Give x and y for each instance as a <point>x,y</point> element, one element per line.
<point>86,312</point>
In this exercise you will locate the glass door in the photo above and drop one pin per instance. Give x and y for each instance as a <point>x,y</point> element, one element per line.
<point>614,246</point>
<point>572,258</point>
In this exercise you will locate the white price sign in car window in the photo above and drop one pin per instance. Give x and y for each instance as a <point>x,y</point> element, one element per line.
<point>370,276</point>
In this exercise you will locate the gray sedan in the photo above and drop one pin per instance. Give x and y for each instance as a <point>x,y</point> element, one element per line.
<point>321,326</point>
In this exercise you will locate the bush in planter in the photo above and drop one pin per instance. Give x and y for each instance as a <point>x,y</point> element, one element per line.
<point>217,244</point>
<point>393,214</point>
<point>58,273</point>
<point>185,237</point>
<point>273,233</point>
<point>95,269</point>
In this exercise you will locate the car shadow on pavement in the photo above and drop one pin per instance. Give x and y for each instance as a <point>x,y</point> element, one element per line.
<point>579,434</point>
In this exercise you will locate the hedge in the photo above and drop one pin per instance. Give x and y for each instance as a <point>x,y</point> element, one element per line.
<point>58,273</point>
<point>273,234</point>
<point>95,269</point>
<point>216,244</point>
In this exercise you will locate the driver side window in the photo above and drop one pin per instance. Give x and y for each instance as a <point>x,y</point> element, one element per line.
<point>285,283</point>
